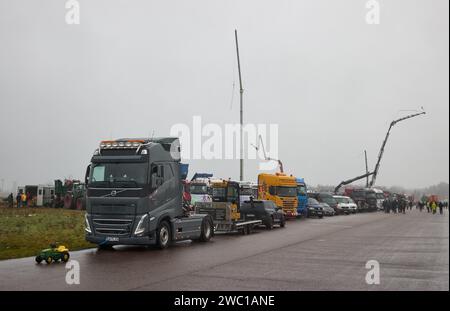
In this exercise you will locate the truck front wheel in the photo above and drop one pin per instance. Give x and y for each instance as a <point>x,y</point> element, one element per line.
<point>207,230</point>
<point>163,235</point>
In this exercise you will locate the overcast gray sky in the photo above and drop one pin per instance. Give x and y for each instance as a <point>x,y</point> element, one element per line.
<point>332,82</point>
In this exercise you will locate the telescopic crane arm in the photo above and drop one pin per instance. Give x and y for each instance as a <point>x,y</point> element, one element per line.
<point>349,181</point>
<point>260,141</point>
<point>383,145</point>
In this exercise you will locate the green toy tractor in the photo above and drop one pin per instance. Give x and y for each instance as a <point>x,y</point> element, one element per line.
<point>54,253</point>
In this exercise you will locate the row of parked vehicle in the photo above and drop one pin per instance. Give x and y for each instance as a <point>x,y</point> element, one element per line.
<point>325,204</point>
<point>138,193</point>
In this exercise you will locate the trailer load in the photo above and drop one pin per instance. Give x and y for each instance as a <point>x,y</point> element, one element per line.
<point>225,208</point>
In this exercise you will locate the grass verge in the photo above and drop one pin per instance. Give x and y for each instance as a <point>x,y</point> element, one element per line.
<point>26,231</point>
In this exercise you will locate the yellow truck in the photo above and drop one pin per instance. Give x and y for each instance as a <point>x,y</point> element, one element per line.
<point>281,189</point>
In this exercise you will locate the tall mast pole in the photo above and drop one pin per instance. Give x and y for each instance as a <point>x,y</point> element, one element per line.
<point>241,93</point>
<point>367,169</point>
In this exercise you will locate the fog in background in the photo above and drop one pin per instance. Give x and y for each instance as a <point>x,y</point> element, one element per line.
<point>133,68</point>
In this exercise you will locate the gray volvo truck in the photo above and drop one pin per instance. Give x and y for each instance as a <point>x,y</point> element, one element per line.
<point>134,195</point>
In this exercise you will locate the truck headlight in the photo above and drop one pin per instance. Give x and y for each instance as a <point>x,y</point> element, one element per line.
<point>140,228</point>
<point>87,226</point>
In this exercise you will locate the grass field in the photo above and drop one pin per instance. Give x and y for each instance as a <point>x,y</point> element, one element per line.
<point>25,231</point>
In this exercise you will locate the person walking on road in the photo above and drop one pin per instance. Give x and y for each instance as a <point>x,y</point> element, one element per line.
<point>23,200</point>
<point>10,200</point>
<point>428,206</point>
<point>403,206</point>
<point>433,207</point>
<point>18,200</point>
<point>441,208</point>
<point>385,203</point>
<point>395,205</point>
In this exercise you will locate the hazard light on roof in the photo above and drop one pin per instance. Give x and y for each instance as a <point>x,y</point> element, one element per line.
<point>126,144</point>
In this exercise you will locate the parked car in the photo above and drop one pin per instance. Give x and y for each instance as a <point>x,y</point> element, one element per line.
<point>324,197</point>
<point>314,208</point>
<point>263,210</point>
<point>346,204</point>
<point>327,210</point>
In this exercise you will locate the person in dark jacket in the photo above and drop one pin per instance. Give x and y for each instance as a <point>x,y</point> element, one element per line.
<point>10,200</point>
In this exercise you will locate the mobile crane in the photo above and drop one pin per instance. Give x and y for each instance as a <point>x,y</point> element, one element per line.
<point>374,173</point>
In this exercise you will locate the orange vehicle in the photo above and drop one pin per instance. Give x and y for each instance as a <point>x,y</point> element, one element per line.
<point>281,189</point>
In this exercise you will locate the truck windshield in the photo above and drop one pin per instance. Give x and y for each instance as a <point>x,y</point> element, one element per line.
<point>359,194</point>
<point>301,189</point>
<point>219,194</point>
<point>246,191</point>
<point>199,189</point>
<point>286,191</point>
<point>371,195</point>
<point>120,175</point>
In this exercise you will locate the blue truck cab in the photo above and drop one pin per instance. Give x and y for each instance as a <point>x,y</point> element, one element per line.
<point>302,197</point>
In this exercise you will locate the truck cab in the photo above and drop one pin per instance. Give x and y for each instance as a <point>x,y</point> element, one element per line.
<point>200,191</point>
<point>281,189</point>
<point>134,195</point>
<point>302,197</point>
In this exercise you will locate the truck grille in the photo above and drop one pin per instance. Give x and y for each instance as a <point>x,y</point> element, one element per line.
<point>113,226</point>
<point>288,203</point>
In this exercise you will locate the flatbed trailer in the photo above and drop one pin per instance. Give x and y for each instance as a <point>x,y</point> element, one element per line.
<point>220,213</point>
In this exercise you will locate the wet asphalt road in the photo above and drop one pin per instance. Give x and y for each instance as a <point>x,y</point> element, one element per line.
<point>312,254</point>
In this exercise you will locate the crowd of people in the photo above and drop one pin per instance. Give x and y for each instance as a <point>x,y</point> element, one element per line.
<point>433,206</point>
<point>401,205</point>
<point>22,200</point>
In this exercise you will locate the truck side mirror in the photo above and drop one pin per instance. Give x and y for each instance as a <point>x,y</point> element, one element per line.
<point>86,176</point>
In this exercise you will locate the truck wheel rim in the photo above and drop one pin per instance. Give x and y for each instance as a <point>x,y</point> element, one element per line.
<point>207,229</point>
<point>164,235</point>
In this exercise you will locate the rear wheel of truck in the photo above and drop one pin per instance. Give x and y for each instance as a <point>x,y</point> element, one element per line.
<point>163,235</point>
<point>49,260</point>
<point>38,259</point>
<point>207,230</point>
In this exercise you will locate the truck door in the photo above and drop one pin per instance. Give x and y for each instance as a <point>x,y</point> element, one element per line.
<point>40,196</point>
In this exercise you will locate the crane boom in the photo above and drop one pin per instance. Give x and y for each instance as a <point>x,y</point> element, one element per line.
<point>260,141</point>
<point>349,181</point>
<point>383,145</point>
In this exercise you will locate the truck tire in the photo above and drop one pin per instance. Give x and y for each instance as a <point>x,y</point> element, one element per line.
<point>207,230</point>
<point>49,260</point>
<point>163,235</point>
<point>38,259</point>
